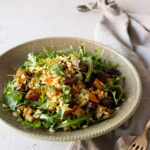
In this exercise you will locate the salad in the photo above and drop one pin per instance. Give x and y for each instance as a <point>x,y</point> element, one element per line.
<point>64,89</point>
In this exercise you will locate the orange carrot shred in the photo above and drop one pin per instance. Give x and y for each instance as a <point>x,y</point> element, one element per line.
<point>93,98</point>
<point>48,80</point>
<point>99,91</point>
<point>109,79</point>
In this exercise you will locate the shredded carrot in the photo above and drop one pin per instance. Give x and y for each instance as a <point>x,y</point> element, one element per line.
<point>109,79</point>
<point>67,113</point>
<point>21,107</point>
<point>78,55</point>
<point>19,81</point>
<point>38,90</point>
<point>79,112</point>
<point>74,91</point>
<point>48,80</point>
<point>98,84</point>
<point>26,110</point>
<point>75,107</point>
<point>98,91</point>
<point>18,74</point>
<point>93,98</point>
<point>57,91</point>
<point>57,59</point>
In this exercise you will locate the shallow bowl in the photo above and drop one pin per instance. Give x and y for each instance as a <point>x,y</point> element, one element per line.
<point>13,58</point>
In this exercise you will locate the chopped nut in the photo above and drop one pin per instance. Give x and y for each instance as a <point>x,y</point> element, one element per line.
<point>67,92</point>
<point>84,126</point>
<point>52,131</point>
<point>74,126</point>
<point>27,113</point>
<point>117,108</point>
<point>122,99</point>
<point>106,94</point>
<point>106,113</point>
<point>23,76</point>
<point>37,114</point>
<point>106,116</point>
<point>62,73</point>
<point>65,129</point>
<point>15,114</point>
<point>4,106</point>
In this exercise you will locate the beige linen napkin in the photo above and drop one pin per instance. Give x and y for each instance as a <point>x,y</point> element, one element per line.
<point>129,34</point>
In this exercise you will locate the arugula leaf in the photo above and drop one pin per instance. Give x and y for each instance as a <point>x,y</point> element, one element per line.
<point>69,123</point>
<point>50,54</point>
<point>83,52</point>
<point>32,103</point>
<point>42,95</point>
<point>9,87</point>
<point>95,55</point>
<point>116,91</point>
<point>60,113</point>
<point>44,106</point>
<point>57,68</point>
<point>40,56</point>
<point>31,60</point>
<point>48,119</point>
<point>89,62</point>
<point>38,74</point>
<point>11,97</point>
<point>65,51</point>
<point>35,124</point>
<point>47,51</point>
<point>49,87</point>
<point>119,78</point>
<point>65,88</point>
<point>67,98</point>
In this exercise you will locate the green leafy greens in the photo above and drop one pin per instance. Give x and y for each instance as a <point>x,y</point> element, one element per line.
<point>57,69</point>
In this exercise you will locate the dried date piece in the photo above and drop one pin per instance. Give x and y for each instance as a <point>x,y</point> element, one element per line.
<point>102,77</point>
<point>70,81</point>
<point>83,67</point>
<point>32,95</point>
<point>114,71</point>
<point>107,102</point>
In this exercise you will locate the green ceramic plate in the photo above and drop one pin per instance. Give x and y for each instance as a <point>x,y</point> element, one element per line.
<point>14,57</point>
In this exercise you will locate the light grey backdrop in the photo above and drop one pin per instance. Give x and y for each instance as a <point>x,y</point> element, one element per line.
<point>23,20</point>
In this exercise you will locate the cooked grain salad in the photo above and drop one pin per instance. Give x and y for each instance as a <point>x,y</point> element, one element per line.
<point>64,89</point>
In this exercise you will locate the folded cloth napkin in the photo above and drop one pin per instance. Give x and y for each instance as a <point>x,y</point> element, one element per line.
<point>129,34</point>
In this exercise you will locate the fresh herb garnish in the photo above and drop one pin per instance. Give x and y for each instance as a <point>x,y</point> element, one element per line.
<point>57,69</point>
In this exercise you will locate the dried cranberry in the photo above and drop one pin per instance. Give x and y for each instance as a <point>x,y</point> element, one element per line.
<point>88,84</point>
<point>114,71</point>
<point>28,74</point>
<point>21,88</point>
<point>102,77</point>
<point>70,81</point>
<point>83,66</point>
<point>91,105</point>
<point>107,102</point>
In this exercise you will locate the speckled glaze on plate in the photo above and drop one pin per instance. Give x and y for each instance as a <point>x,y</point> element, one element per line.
<point>13,58</point>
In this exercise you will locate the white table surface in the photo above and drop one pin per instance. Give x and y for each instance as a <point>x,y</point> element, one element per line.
<point>24,20</point>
